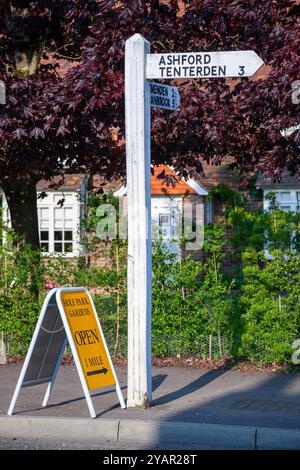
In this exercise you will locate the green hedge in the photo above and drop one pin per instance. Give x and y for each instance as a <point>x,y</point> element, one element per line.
<point>251,313</point>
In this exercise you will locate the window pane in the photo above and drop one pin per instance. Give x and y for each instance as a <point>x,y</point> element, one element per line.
<point>58,197</point>
<point>58,247</point>
<point>45,246</point>
<point>44,213</point>
<point>44,235</point>
<point>68,235</point>
<point>58,235</point>
<point>285,208</point>
<point>44,224</point>
<point>58,213</point>
<point>285,196</point>
<point>68,223</point>
<point>58,224</point>
<point>68,247</point>
<point>68,212</point>
<point>69,198</point>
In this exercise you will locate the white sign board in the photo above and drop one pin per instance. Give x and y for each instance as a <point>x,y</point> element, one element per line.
<point>68,314</point>
<point>203,65</point>
<point>164,96</point>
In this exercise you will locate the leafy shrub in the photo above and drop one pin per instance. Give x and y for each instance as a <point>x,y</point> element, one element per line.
<point>253,312</point>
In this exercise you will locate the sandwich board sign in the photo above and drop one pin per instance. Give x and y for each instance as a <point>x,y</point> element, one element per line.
<point>68,315</point>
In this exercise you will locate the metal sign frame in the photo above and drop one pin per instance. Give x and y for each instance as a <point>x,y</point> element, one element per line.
<point>56,293</point>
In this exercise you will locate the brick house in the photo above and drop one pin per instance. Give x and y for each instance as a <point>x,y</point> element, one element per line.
<point>61,210</point>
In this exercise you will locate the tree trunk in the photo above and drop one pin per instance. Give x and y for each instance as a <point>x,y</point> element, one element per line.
<point>21,198</point>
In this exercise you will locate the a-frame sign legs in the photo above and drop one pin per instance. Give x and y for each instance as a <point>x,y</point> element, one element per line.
<point>51,383</point>
<point>35,335</point>
<point>137,110</point>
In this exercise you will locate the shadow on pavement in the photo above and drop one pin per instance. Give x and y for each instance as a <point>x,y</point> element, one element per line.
<point>157,380</point>
<point>273,402</point>
<point>190,388</point>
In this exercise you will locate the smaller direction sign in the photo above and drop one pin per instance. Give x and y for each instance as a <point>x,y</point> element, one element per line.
<point>164,96</point>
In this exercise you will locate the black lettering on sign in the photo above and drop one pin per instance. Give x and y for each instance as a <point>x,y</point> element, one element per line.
<point>184,58</point>
<point>207,58</point>
<point>78,312</point>
<point>158,89</point>
<point>83,337</point>
<point>69,302</point>
<point>194,71</point>
<point>95,361</point>
<point>82,301</point>
<point>162,69</point>
<point>241,70</point>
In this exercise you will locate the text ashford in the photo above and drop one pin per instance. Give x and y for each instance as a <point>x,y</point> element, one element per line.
<point>189,65</point>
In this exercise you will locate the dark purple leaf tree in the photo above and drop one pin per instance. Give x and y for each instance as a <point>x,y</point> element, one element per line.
<point>54,121</point>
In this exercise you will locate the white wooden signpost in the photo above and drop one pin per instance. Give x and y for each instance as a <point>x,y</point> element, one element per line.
<point>140,94</point>
<point>68,314</point>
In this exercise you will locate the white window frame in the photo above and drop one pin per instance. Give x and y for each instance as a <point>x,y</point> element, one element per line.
<point>72,201</point>
<point>293,203</point>
<point>171,206</point>
<point>50,203</point>
<point>208,210</point>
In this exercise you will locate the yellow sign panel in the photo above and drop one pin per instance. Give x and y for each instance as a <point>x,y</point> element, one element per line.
<point>87,338</point>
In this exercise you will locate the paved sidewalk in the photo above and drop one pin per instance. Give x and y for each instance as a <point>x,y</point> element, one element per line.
<point>220,408</point>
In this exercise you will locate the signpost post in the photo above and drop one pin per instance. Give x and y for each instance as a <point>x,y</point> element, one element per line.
<point>139,265</point>
<point>140,94</point>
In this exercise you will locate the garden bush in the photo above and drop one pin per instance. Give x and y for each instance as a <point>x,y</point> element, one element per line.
<point>252,312</point>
